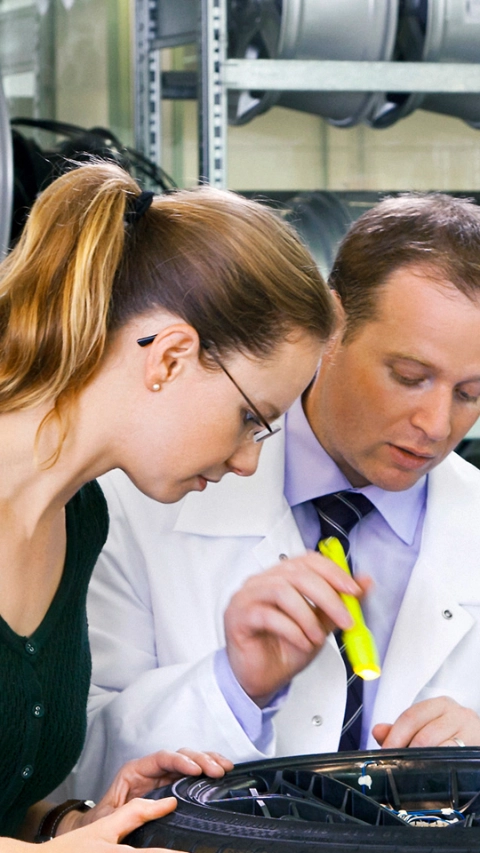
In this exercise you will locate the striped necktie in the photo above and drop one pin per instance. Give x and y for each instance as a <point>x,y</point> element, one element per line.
<point>339,513</point>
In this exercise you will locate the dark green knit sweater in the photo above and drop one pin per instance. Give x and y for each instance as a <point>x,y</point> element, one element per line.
<point>44,679</point>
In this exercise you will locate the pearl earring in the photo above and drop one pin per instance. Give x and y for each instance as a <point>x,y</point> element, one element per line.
<point>156,387</point>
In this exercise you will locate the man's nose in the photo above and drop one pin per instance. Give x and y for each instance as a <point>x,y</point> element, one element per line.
<point>244,461</point>
<point>434,415</point>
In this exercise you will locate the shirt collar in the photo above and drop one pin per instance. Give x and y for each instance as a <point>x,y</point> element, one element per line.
<point>311,472</point>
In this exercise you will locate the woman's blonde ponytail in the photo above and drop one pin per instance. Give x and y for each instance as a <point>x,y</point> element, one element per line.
<point>56,286</point>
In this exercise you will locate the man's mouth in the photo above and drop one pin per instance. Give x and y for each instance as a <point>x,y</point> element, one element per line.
<point>408,457</point>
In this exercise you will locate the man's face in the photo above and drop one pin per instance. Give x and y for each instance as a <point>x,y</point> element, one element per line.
<point>393,402</point>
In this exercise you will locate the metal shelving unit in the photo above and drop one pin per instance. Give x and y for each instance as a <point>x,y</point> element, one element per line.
<point>218,75</point>
<point>148,94</point>
<point>6,174</point>
<point>25,50</point>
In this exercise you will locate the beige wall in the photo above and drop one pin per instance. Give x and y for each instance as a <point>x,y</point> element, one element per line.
<point>289,150</point>
<point>81,66</point>
<point>69,60</point>
<point>425,151</point>
<point>93,58</point>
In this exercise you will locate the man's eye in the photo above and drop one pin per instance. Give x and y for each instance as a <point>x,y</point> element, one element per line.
<point>407,380</point>
<point>467,398</point>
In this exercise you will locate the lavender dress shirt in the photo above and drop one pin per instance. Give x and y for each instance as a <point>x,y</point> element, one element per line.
<point>384,545</point>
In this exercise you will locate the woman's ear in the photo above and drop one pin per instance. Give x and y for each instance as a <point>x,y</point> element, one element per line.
<point>174,349</point>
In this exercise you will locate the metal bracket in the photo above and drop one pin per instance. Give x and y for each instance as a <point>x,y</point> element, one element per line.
<point>344,76</point>
<point>6,175</point>
<point>212,93</point>
<point>148,130</point>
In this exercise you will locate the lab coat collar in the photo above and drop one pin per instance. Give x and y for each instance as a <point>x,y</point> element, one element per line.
<point>432,620</point>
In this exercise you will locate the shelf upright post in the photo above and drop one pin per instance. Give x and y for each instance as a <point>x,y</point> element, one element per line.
<point>148,96</point>
<point>212,101</point>
<point>6,174</point>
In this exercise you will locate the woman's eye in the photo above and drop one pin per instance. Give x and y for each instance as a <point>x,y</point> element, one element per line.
<point>251,420</point>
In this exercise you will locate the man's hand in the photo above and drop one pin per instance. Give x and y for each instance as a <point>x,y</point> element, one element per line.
<point>433,722</point>
<point>279,620</point>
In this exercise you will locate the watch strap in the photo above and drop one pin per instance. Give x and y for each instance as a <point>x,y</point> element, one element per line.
<point>51,820</point>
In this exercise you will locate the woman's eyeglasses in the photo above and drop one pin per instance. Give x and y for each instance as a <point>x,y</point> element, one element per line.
<point>267,430</point>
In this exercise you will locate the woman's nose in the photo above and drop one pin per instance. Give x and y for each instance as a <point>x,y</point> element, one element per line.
<point>244,461</point>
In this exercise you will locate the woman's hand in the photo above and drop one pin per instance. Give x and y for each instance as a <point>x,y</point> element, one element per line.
<point>137,778</point>
<point>106,832</point>
<point>123,808</point>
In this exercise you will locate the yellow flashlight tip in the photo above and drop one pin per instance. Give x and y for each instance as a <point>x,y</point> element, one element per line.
<point>368,674</point>
<point>361,652</point>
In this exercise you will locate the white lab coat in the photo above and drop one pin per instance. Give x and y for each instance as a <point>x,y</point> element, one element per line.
<point>156,618</point>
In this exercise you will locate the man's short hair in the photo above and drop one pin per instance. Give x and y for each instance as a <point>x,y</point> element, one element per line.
<point>436,232</point>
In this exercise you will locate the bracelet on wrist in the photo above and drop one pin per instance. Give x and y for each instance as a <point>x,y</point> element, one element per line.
<point>50,821</point>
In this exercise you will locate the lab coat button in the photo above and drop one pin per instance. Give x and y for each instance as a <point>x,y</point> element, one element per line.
<point>317,720</point>
<point>447,614</point>
<point>283,556</point>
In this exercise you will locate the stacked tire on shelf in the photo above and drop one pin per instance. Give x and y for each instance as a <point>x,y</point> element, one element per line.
<point>311,29</point>
<point>374,30</point>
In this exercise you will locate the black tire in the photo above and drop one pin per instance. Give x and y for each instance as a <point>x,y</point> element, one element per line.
<point>340,803</point>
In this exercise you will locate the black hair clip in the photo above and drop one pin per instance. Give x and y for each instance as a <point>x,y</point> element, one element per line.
<point>139,207</point>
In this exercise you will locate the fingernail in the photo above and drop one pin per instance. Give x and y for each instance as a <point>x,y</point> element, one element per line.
<point>162,800</point>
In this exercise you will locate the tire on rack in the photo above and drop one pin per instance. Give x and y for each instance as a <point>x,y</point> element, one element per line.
<point>382,801</point>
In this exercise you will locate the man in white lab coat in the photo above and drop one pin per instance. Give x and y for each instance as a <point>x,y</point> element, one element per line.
<point>211,619</point>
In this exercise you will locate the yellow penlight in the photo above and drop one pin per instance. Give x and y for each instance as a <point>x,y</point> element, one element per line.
<point>359,643</point>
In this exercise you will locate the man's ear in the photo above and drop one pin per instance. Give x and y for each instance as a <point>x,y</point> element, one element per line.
<point>339,312</point>
<point>174,348</point>
<point>336,338</point>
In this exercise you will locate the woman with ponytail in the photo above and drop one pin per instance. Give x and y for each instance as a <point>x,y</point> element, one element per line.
<point>159,335</point>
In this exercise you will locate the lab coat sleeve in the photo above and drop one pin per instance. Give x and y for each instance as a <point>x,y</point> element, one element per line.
<point>138,703</point>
